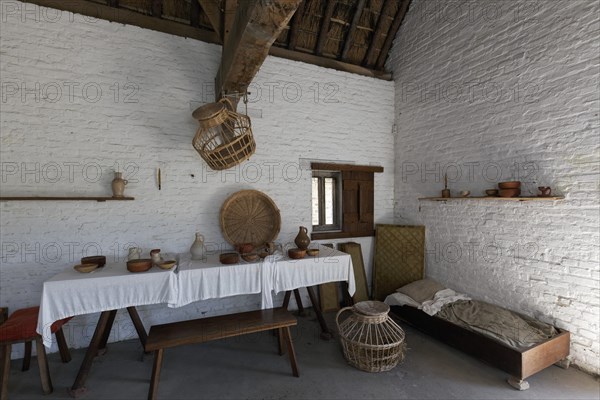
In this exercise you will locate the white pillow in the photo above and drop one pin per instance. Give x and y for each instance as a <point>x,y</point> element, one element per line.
<point>421,290</point>
<point>400,299</point>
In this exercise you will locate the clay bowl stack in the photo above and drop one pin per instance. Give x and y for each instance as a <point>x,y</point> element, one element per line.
<point>509,189</point>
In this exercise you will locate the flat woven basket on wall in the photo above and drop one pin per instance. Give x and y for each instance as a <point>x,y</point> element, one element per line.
<point>371,340</point>
<point>250,216</point>
<point>224,137</point>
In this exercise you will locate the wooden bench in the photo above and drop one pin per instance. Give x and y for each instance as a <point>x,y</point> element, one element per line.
<point>214,328</point>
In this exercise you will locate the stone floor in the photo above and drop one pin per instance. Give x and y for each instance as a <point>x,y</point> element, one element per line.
<point>248,367</point>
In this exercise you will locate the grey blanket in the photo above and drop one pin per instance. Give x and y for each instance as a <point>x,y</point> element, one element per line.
<point>516,330</point>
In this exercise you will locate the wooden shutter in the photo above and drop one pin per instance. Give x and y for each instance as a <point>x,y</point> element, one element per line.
<point>357,202</point>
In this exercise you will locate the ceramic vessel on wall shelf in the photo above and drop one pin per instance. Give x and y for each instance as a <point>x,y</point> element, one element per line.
<point>118,185</point>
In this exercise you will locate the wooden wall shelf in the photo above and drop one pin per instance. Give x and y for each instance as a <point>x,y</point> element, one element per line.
<point>62,198</point>
<point>492,198</point>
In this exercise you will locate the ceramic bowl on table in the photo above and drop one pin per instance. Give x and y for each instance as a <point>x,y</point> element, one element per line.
<point>141,265</point>
<point>229,258</point>
<point>85,268</point>
<point>491,192</point>
<point>250,257</point>
<point>297,254</point>
<point>312,252</point>
<point>263,254</point>
<point>98,260</point>
<point>168,264</point>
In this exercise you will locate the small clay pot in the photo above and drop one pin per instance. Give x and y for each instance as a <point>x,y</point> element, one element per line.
<point>510,185</point>
<point>491,192</point>
<point>509,192</point>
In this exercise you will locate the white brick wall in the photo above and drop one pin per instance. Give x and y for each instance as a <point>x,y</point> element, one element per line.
<point>150,83</point>
<point>509,86</point>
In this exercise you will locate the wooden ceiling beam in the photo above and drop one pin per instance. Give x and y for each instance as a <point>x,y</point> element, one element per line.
<point>195,14</point>
<point>328,63</point>
<point>157,7</point>
<point>128,17</point>
<point>371,56</point>
<point>295,25</point>
<point>348,42</point>
<point>257,24</point>
<point>212,8</point>
<point>324,31</point>
<point>387,45</point>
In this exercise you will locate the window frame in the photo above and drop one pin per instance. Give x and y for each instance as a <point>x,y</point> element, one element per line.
<point>356,183</point>
<point>336,226</point>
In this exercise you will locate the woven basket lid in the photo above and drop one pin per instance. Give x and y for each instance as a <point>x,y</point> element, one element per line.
<point>208,111</point>
<point>371,308</point>
<point>250,216</point>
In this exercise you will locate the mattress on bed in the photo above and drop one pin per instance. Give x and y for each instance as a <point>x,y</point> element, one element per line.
<point>515,330</point>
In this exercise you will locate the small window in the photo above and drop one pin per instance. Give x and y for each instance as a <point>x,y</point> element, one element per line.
<point>326,200</point>
<point>343,204</point>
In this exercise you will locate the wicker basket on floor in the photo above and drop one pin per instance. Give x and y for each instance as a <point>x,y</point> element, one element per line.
<point>371,340</point>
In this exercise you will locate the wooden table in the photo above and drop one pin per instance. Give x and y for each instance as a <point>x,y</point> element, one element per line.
<point>105,290</point>
<point>113,287</point>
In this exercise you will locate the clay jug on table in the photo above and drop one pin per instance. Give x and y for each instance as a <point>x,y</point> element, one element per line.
<point>198,250</point>
<point>302,240</point>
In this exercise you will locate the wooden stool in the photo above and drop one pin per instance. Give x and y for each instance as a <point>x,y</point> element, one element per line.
<point>20,328</point>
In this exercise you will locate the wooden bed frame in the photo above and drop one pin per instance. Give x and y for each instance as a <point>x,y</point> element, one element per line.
<point>520,364</point>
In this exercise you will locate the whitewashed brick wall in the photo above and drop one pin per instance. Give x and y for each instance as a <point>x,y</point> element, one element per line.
<point>499,90</point>
<point>81,96</point>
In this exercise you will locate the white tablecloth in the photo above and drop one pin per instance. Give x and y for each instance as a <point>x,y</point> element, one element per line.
<point>72,293</point>
<point>111,287</point>
<point>281,273</point>
<point>209,279</point>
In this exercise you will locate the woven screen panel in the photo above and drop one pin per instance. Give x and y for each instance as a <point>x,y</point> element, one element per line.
<point>399,257</point>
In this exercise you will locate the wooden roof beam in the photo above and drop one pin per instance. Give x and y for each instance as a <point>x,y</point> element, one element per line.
<point>349,37</point>
<point>371,56</point>
<point>257,25</point>
<point>212,9</point>
<point>387,45</point>
<point>295,25</point>
<point>325,22</point>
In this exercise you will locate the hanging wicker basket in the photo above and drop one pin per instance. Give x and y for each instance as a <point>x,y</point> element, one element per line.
<point>371,340</point>
<point>224,137</point>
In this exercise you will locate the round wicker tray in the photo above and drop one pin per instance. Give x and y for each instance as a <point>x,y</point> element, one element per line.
<point>250,216</point>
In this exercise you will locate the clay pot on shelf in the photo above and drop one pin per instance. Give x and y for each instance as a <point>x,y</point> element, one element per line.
<point>545,191</point>
<point>491,192</point>
<point>510,185</point>
<point>302,240</point>
<point>509,192</point>
<point>118,185</point>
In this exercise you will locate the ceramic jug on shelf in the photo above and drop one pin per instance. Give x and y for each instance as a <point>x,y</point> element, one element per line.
<point>302,240</point>
<point>198,250</point>
<point>118,184</point>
